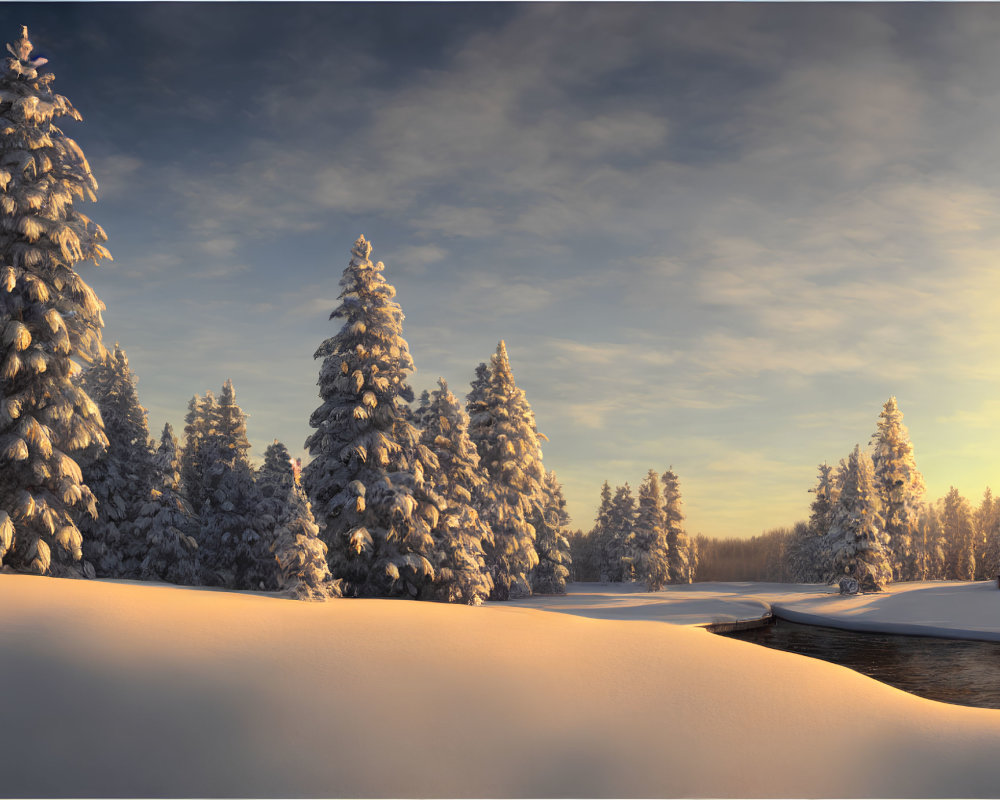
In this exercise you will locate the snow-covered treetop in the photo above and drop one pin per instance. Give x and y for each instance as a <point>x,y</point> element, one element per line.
<point>892,455</point>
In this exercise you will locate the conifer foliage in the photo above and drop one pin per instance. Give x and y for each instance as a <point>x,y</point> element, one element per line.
<point>808,557</point>
<point>616,543</point>
<point>299,554</point>
<point>649,550</point>
<point>505,434</point>
<point>900,487</point>
<point>551,541</point>
<point>600,534</point>
<point>857,535</point>
<point>460,566</point>
<point>48,316</point>
<point>366,478</point>
<point>682,551</point>
<point>199,427</point>
<point>119,475</point>
<point>235,541</point>
<point>164,524</point>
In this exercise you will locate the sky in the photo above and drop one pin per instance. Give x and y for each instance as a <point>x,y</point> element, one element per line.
<point>715,237</point>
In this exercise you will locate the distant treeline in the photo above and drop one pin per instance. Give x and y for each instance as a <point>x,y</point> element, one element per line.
<point>759,558</point>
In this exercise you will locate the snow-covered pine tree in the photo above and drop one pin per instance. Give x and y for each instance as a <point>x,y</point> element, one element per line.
<point>507,440</point>
<point>857,535</point>
<point>461,574</point>
<point>422,408</point>
<point>680,548</point>
<point>198,428</point>
<point>691,544</point>
<point>899,484</point>
<point>985,523</point>
<point>300,565</point>
<point>366,479</point>
<point>49,317</point>
<point>959,537</point>
<point>991,530</point>
<point>808,558</point>
<point>620,523</point>
<point>601,532</point>
<point>121,474</point>
<point>236,545</point>
<point>475,402</point>
<point>165,523</point>
<point>648,545</point>
<point>929,547</point>
<point>551,543</point>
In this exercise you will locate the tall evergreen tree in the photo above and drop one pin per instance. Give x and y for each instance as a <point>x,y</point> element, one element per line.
<point>48,317</point>
<point>475,402</point>
<point>366,479</point>
<point>164,523</point>
<point>649,554</point>
<point>551,543</point>
<point>121,474</point>
<point>959,537</point>
<point>858,541</point>
<point>235,541</point>
<point>460,562</point>
<point>929,548</point>
<point>900,486</point>
<point>809,560</point>
<point>621,521</point>
<point>300,565</point>
<point>601,532</point>
<point>681,551</point>
<point>507,440</point>
<point>985,522</point>
<point>419,418</point>
<point>198,429</point>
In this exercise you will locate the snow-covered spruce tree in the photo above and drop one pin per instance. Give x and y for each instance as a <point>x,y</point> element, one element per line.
<point>49,317</point>
<point>959,542</point>
<point>990,525</point>
<point>620,523</point>
<point>648,545</point>
<point>366,479</point>
<point>680,548</point>
<point>857,536</point>
<point>507,440</point>
<point>475,401</point>
<point>121,474</point>
<point>985,524</point>
<point>198,428</point>
<point>423,405</point>
<point>929,544</point>
<point>551,542</point>
<point>601,532</point>
<point>808,557</point>
<point>236,545</point>
<point>300,565</point>
<point>899,484</point>
<point>164,523</point>
<point>691,544</point>
<point>461,574</point>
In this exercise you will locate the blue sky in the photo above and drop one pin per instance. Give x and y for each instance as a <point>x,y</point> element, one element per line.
<point>713,236</point>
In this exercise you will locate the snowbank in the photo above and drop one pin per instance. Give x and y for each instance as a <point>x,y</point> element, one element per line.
<point>948,609</point>
<point>116,689</point>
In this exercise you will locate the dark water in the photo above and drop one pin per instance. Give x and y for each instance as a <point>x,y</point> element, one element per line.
<point>952,671</point>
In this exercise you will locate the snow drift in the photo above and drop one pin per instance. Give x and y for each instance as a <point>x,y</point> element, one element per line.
<point>118,689</point>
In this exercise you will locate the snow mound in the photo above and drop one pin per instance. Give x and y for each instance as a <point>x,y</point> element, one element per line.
<point>119,689</point>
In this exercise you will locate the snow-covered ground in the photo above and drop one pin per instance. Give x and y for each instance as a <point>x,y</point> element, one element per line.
<point>950,609</point>
<point>119,689</point>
